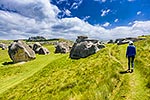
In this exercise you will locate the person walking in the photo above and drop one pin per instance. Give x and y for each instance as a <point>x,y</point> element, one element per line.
<point>130,54</point>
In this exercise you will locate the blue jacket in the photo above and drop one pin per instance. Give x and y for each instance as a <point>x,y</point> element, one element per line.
<point>131,50</point>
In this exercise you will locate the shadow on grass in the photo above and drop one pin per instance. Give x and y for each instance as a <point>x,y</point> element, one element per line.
<point>123,72</point>
<point>8,63</point>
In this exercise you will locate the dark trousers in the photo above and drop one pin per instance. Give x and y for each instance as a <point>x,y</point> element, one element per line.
<point>131,61</point>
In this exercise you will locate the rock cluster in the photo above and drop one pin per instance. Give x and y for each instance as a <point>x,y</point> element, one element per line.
<point>20,51</point>
<point>126,40</point>
<point>62,47</point>
<point>84,47</point>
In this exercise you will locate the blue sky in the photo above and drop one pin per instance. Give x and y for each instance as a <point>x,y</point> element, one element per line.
<point>100,19</point>
<point>115,12</point>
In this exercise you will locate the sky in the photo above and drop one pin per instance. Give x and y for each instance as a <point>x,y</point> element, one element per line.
<point>97,19</point>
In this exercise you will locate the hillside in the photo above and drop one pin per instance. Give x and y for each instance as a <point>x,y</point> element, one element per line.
<point>97,77</point>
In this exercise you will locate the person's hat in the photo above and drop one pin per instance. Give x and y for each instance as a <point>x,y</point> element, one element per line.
<point>130,43</point>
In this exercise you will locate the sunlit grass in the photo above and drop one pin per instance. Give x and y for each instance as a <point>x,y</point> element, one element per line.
<point>97,77</point>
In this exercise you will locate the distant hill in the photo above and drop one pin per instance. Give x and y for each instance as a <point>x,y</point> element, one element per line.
<point>98,77</point>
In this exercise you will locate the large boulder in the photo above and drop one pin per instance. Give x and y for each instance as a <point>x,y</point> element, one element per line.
<point>36,47</point>
<point>39,49</point>
<point>20,51</point>
<point>84,48</point>
<point>43,50</point>
<point>62,47</point>
<point>3,46</point>
<point>81,38</point>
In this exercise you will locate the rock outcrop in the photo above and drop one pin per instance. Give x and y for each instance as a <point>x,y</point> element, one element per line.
<point>84,47</point>
<point>20,51</point>
<point>126,40</point>
<point>39,49</point>
<point>62,47</point>
<point>3,46</point>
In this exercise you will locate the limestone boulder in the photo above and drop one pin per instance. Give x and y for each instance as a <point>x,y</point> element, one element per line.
<point>3,46</point>
<point>85,48</point>
<point>43,50</point>
<point>39,49</point>
<point>36,47</point>
<point>19,52</point>
<point>62,47</point>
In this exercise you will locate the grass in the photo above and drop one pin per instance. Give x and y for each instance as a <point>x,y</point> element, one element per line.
<point>15,73</point>
<point>97,77</point>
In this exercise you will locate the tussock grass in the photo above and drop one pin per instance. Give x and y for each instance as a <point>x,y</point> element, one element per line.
<point>96,77</point>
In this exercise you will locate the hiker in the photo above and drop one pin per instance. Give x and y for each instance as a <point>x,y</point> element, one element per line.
<point>130,54</point>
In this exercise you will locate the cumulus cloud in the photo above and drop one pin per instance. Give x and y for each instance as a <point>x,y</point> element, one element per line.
<point>37,9</point>
<point>104,12</point>
<point>18,19</point>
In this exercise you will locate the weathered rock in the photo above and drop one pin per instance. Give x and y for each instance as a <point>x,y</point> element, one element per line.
<point>43,51</point>
<point>36,46</point>
<point>40,49</point>
<point>20,51</point>
<point>126,40</point>
<point>81,38</point>
<point>3,46</point>
<point>110,41</point>
<point>123,42</point>
<point>62,47</point>
<point>85,48</point>
<point>31,46</point>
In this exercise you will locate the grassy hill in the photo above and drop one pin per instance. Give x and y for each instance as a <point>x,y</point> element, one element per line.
<point>97,77</point>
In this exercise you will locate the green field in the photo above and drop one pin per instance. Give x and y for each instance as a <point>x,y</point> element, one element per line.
<point>97,77</point>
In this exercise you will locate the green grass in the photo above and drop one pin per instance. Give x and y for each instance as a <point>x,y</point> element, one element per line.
<point>15,73</point>
<point>97,77</point>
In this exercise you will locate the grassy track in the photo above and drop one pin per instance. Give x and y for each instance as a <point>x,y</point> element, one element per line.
<point>133,83</point>
<point>27,70</point>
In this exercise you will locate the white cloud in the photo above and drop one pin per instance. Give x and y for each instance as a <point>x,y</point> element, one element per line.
<point>131,0</point>
<point>130,23</point>
<point>100,0</point>
<point>75,5</point>
<point>37,9</point>
<point>104,12</point>
<point>116,20</point>
<point>106,24</point>
<point>26,21</point>
<point>103,0</point>
<point>67,12</point>
<point>86,18</point>
<point>60,1</point>
<point>139,12</point>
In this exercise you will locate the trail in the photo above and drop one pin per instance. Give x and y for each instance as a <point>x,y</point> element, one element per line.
<point>136,84</point>
<point>21,77</point>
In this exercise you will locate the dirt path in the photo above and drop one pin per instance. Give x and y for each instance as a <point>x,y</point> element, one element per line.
<point>135,83</point>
